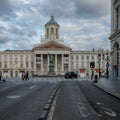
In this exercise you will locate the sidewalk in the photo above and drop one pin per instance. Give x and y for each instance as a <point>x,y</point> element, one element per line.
<point>109,85</point>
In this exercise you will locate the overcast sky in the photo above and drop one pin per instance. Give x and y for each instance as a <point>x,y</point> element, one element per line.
<point>84,24</point>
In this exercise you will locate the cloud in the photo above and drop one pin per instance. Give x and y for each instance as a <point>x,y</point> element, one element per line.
<point>5,7</point>
<point>4,37</point>
<point>31,32</point>
<point>92,9</point>
<point>21,44</point>
<point>83,24</point>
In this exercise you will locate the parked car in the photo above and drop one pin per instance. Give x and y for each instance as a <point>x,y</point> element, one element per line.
<point>103,74</point>
<point>70,75</point>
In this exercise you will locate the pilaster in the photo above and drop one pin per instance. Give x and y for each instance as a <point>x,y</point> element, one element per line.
<point>62,64</point>
<point>56,63</point>
<point>42,63</point>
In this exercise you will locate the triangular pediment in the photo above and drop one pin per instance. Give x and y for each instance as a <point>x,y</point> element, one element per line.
<point>52,45</point>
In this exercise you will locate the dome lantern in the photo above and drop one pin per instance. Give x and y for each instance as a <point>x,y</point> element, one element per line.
<point>51,22</point>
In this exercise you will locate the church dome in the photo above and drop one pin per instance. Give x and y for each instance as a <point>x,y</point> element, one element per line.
<point>51,22</point>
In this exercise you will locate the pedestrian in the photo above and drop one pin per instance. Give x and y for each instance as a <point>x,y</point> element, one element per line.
<point>27,76</point>
<point>23,75</point>
<point>0,76</point>
<point>96,78</point>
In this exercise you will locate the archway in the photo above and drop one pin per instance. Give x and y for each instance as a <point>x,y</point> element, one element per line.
<point>116,60</point>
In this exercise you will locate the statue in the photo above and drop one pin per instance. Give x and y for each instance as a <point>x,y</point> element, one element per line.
<point>51,62</point>
<point>51,59</point>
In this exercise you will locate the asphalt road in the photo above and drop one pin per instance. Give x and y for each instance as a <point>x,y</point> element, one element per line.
<point>72,105</point>
<point>77,100</point>
<point>80,100</point>
<point>24,100</point>
<point>105,105</point>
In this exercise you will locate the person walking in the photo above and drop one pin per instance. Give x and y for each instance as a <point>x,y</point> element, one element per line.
<point>27,76</point>
<point>96,78</point>
<point>23,75</point>
<point>0,76</point>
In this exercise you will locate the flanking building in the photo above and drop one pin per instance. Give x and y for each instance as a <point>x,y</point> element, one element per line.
<point>115,39</point>
<point>36,61</point>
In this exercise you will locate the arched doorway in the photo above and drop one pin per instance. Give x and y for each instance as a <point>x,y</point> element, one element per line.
<point>116,60</point>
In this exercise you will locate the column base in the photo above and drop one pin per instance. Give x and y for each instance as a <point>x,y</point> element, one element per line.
<point>51,73</point>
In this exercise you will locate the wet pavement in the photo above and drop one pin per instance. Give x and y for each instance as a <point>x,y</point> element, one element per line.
<point>109,85</point>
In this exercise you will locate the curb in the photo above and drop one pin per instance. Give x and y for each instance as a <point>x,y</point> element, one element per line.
<point>45,111</point>
<point>110,92</point>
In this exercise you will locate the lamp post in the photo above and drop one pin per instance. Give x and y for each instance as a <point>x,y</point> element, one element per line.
<point>99,62</point>
<point>92,66</point>
<point>107,65</point>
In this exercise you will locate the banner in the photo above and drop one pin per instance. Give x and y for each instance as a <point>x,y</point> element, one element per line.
<point>38,60</point>
<point>66,61</point>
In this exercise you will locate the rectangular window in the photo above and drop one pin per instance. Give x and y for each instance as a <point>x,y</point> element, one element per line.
<point>5,57</point>
<point>21,57</point>
<point>27,64</point>
<point>38,59</point>
<point>26,57</point>
<point>32,57</point>
<point>32,64</point>
<point>92,57</point>
<point>76,57</point>
<point>82,64</point>
<point>82,57</point>
<point>87,57</point>
<point>16,57</point>
<point>72,57</point>
<point>118,17</point>
<point>0,65</point>
<point>10,57</point>
<point>21,65</point>
<point>87,64</point>
<point>5,65</point>
<point>16,63</point>
<point>77,65</point>
<point>66,60</point>
<point>71,64</point>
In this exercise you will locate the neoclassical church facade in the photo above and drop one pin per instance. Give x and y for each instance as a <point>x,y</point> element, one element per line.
<point>36,61</point>
<point>115,39</point>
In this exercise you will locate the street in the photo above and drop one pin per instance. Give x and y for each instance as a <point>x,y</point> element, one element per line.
<point>80,100</point>
<point>77,99</point>
<point>24,100</point>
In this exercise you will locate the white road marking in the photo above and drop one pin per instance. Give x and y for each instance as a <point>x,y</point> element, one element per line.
<point>83,110</point>
<point>109,112</point>
<point>106,110</point>
<point>99,103</point>
<point>13,97</point>
<point>32,86</point>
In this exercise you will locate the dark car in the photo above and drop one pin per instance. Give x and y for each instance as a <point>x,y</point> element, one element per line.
<point>70,75</point>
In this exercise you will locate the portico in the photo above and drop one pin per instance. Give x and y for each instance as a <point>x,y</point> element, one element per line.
<point>61,61</point>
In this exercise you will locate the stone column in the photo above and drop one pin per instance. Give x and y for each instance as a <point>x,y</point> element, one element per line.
<point>62,64</point>
<point>56,63</point>
<point>48,62</point>
<point>35,64</point>
<point>42,63</point>
<point>69,62</point>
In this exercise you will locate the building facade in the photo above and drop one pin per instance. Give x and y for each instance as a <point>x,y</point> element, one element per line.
<point>36,61</point>
<point>115,39</point>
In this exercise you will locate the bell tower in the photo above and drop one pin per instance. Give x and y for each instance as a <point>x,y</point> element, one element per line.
<point>52,29</point>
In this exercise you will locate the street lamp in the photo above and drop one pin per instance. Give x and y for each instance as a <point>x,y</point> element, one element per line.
<point>99,62</point>
<point>107,65</point>
<point>92,66</point>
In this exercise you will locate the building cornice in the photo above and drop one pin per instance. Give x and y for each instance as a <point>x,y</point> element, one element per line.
<point>115,34</point>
